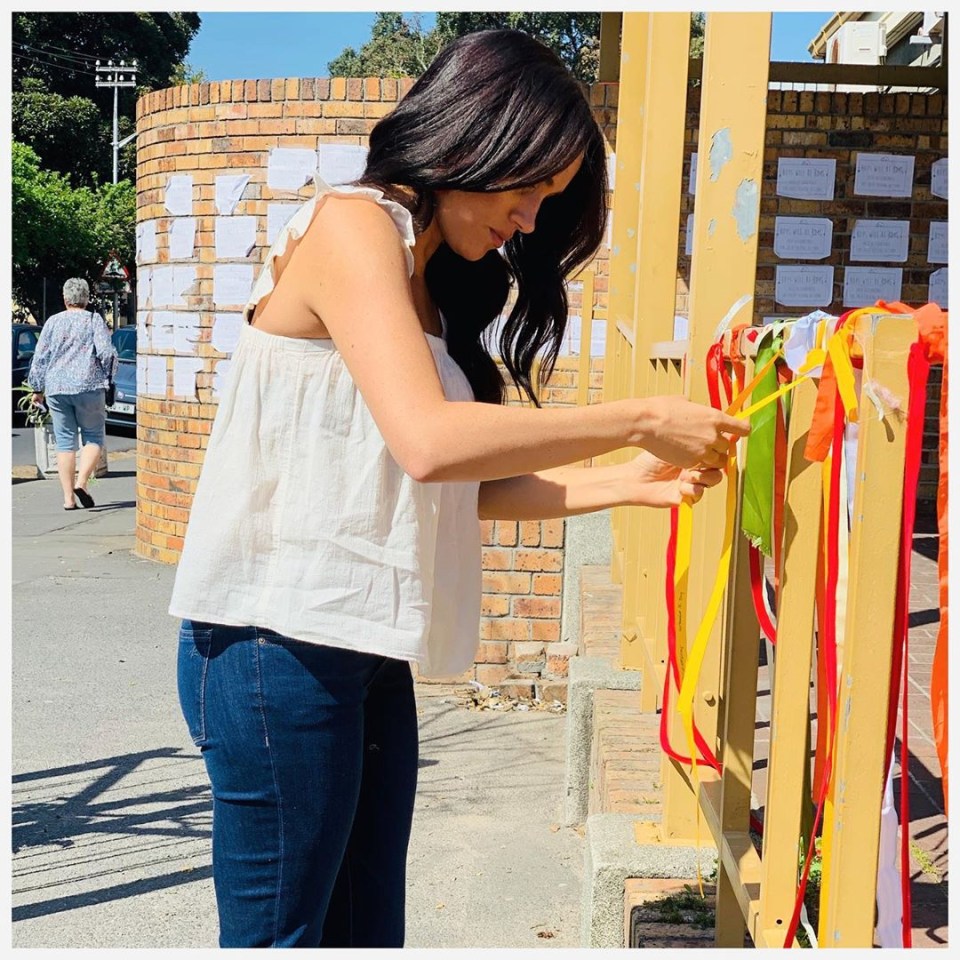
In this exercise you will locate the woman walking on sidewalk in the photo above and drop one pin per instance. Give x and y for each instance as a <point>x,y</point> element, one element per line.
<point>334,537</point>
<point>72,366</point>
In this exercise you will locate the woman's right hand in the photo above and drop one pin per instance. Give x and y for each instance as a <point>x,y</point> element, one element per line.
<point>691,434</point>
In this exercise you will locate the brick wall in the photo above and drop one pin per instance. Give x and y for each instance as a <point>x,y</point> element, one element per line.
<point>210,129</point>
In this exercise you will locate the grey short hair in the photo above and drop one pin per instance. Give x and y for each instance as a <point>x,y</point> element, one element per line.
<point>76,293</point>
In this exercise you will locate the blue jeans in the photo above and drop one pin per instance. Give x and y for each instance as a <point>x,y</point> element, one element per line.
<point>311,752</point>
<point>71,412</point>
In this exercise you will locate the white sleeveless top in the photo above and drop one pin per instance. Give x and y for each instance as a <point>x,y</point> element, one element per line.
<point>303,522</point>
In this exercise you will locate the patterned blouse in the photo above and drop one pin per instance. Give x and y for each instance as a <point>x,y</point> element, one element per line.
<point>74,354</point>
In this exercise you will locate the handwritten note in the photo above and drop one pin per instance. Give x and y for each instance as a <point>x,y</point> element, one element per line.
<point>938,288</point>
<point>182,238</point>
<point>147,241</point>
<point>220,373</point>
<point>804,286</point>
<point>184,277</point>
<point>863,286</point>
<point>938,178</point>
<point>234,237</point>
<point>880,240</point>
<point>229,190</point>
<point>289,168</point>
<point>937,244</point>
<point>186,332</point>
<point>342,162</point>
<point>178,197</point>
<point>185,370</point>
<point>155,378</point>
<point>161,329</point>
<point>143,331</point>
<point>806,179</point>
<point>692,181</point>
<point>232,284</point>
<point>802,238</point>
<point>226,331</point>
<point>883,175</point>
<point>277,216</point>
<point>144,287</point>
<point>162,286</point>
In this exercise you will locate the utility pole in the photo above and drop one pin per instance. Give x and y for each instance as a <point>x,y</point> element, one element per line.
<point>116,76</point>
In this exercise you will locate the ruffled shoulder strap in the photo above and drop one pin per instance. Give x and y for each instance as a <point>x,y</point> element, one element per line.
<point>294,229</point>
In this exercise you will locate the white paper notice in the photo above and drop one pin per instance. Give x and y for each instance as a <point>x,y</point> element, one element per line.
<point>289,168</point>
<point>162,287</point>
<point>220,372</point>
<point>186,332</point>
<point>143,332</point>
<point>880,240</point>
<point>226,331</point>
<point>178,198</point>
<point>802,238</point>
<point>937,247</point>
<point>235,236</point>
<point>183,279</point>
<point>611,170</point>
<point>277,216</point>
<point>185,370</point>
<point>864,286</point>
<point>688,240</point>
<point>147,241</point>
<point>806,179</point>
<point>938,288</point>
<point>144,287</point>
<point>232,284</point>
<point>883,175</point>
<point>692,183</point>
<point>938,178</point>
<point>804,286</point>
<point>598,338</point>
<point>229,189</point>
<point>342,162</point>
<point>182,238</point>
<point>156,376</point>
<point>162,325</point>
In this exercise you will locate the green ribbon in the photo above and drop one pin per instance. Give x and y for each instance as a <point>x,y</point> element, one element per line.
<point>756,517</point>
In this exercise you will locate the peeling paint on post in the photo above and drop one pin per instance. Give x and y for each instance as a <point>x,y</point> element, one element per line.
<point>721,150</point>
<point>746,207</point>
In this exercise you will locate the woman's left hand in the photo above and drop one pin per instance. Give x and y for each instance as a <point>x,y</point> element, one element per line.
<point>661,484</point>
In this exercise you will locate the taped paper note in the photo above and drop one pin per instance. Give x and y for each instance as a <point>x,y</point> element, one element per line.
<point>277,216</point>
<point>938,178</point>
<point>342,162</point>
<point>611,170</point>
<point>598,338</point>
<point>147,241</point>
<point>232,284</point>
<point>938,288</point>
<point>804,286</point>
<point>692,182</point>
<point>182,238</point>
<point>688,240</point>
<point>234,236</point>
<point>184,278</point>
<point>156,376</point>
<point>144,287</point>
<point>289,168</point>
<point>220,372</point>
<point>162,287</point>
<point>229,189</point>
<point>178,197</point>
<point>226,331</point>
<point>806,179</point>
<point>937,244</point>
<point>185,370</point>
<point>864,286</point>
<point>802,238</point>
<point>143,331</point>
<point>880,240</point>
<point>161,329</point>
<point>186,332</point>
<point>883,175</point>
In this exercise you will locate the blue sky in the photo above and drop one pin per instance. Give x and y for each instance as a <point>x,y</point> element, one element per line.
<point>231,46</point>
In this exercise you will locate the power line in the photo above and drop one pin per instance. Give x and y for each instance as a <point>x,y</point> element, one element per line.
<point>73,53</point>
<point>57,56</point>
<point>53,66</point>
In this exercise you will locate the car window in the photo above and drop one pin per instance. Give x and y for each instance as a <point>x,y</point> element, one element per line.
<point>26,344</point>
<point>125,343</point>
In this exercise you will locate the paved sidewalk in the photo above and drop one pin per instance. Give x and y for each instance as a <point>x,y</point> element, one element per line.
<point>111,809</point>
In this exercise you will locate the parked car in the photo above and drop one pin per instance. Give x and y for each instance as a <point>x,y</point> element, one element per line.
<point>123,413</point>
<point>25,337</point>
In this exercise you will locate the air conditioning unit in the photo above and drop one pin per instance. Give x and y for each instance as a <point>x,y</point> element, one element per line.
<point>861,41</point>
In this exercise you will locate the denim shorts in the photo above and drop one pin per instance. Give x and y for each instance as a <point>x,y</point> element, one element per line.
<point>71,412</point>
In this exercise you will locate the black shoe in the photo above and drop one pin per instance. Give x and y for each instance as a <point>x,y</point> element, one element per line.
<point>83,497</point>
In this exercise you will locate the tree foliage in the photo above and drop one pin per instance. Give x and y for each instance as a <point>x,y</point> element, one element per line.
<point>60,231</point>
<point>399,46</point>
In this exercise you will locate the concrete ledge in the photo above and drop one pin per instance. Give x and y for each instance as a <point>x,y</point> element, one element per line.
<point>612,855</point>
<point>586,675</point>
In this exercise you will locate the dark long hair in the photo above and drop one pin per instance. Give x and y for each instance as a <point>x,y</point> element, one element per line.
<point>498,110</point>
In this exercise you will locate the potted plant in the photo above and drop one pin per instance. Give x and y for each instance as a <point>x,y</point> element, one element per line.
<point>38,417</point>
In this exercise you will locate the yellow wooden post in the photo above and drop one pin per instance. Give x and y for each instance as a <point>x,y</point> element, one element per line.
<point>865,678</point>
<point>732,126</point>
<point>609,68</point>
<point>788,759</point>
